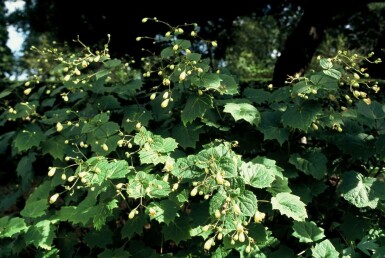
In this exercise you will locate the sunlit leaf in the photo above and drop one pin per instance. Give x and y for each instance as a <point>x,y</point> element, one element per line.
<point>289,205</point>
<point>243,111</point>
<point>325,249</point>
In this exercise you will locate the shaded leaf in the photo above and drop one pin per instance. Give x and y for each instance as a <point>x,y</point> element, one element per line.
<point>35,208</point>
<point>41,235</point>
<point>30,137</point>
<point>312,162</point>
<point>178,230</point>
<point>99,238</point>
<point>187,136</point>
<point>272,128</point>
<point>355,189</point>
<point>196,107</point>
<point>301,117</point>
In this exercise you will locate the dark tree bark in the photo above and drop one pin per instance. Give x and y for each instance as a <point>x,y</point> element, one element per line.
<point>301,44</point>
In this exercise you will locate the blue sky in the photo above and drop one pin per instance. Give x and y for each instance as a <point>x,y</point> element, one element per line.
<point>15,38</point>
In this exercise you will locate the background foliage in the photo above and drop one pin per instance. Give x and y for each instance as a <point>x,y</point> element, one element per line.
<point>182,154</point>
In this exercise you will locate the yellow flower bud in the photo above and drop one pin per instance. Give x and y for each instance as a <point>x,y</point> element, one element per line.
<point>182,76</point>
<point>166,95</point>
<point>164,103</point>
<point>194,191</point>
<point>259,216</point>
<point>59,127</point>
<point>219,179</point>
<point>241,237</point>
<point>27,91</point>
<point>51,172</point>
<point>132,213</point>
<point>53,198</point>
<point>208,244</point>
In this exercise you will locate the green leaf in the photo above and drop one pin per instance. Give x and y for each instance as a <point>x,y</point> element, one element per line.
<point>243,111</point>
<point>196,107</point>
<point>101,73</point>
<point>354,226</point>
<point>35,208</point>
<point>308,190</point>
<point>102,211</point>
<point>272,128</point>
<point>113,169</point>
<point>327,83</point>
<point>134,114</point>
<point>366,245</point>
<point>25,169</point>
<point>163,145</point>
<point>380,252</point>
<point>280,185</point>
<point>165,211</point>
<point>134,226</point>
<point>99,238</point>
<point>228,84</point>
<point>307,231</point>
<point>312,162</point>
<point>289,205</point>
<point>380,146</point>
<point>301,117</point>
<point>223,157</point>
<point>357,145</point>
<point>256,175</point>
<point>150,156</point>
<point>112,63</point>
<point>325,249</point>
<point>183,43</point>
<point>167,52</point>
<point>194,57</point>
<point>247,202</point>
<point>373,111</point>
<point>333,73</point>
<point>129,89</point>
<point>30,137</point>
<point>257,96</point>
<point>54,146</point>
<point>41,235</point>
<point>302,87</point>
<point>178,230</point>
<point>355,189</point>
<point>5,93</point>
<point>4,141</point>
<point>221,252</point>
<point>115,253</point>
<point>211,81</point>
<point>325,63</point>
<point>187,136</point>
<point>107,103</point>
<point>217,201</point>
<point>10,227</point>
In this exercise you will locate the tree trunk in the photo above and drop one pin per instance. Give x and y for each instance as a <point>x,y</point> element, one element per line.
<point>304,40</point>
